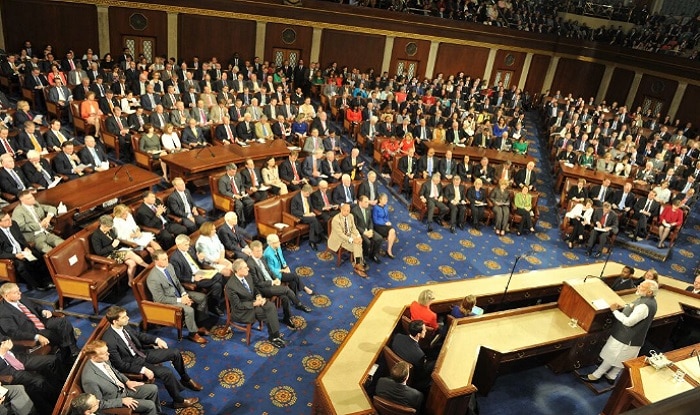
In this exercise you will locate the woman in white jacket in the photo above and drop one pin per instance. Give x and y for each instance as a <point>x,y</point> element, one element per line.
<point>579,217</point>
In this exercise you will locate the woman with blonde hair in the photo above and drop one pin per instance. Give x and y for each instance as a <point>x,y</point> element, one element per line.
<point>104,242</point>
<point>420,310</point>
<point>129,232</point>
<point>271,177</point>
<point>211,248</point>
<point>90,110</point>
<point>466,308</point>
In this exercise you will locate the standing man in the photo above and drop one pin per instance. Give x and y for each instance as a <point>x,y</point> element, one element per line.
<point>632,322</point>
<point>140,352</point>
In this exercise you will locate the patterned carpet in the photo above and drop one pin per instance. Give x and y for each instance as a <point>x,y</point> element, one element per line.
<point>260,379</point>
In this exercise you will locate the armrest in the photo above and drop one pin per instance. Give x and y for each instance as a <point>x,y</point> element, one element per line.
<point>174,218</point>
<point>6,379</point>
<point>117,411</point>
<point>152,230</point>
<point>72,279</point>
<point>290,219</point>
<point>100,260</point>
<point>264,229</point>
<point>189,286</point>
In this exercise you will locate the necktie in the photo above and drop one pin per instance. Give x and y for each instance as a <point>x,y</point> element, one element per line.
<point>601,194</point>
<point>409,170</point>
<point>347,226</point>
<point>7,146</point>
<point>603,219</point>
<point>228,131</point>
<point>132,345</point>
<point>95,157</point>
<point>364,214</point>
<point>348,196</point>
<point>622,201</point>
<point>371,192</point>
<point>61,95</point>
<point>647,206</point>
<point>185,202</point>
<point>686,188</point>
<point>234,188</point>
<point>253,177</point>
<point>263,269</point>
<point>14,175</point>
<point>305,203</point>
<point>16,248</point>
<point>527,178</point>
<point>430,166</point>
<point>119,123</point>
<point>13,361</point>
<point>31,316</point>
<point>245,284</point>
<point>72,65</point>
<point>433,191</point>
<point>172,282</point>
<point>190,261</point>
<point>113,376</point>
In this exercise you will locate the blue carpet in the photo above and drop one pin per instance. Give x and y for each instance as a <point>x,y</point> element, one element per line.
<point>259,379</point>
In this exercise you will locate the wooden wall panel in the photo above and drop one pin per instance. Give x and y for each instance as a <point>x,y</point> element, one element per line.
<point>205,37</point>
<point>273,39</point>
<point>452,59</point>
<point>619,86</point>
<point>64,26</point>
<point>119,26</point>
<point>507,60</point>
<point>578,78</point>
<point>352,49</point>
<point>688,111</point>
<point>657,88</point>
<point>421,55</point>
<point>537,73</point>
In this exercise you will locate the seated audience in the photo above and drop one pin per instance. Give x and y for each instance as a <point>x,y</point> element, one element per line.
<point>466,308</point>
<point>395,389</point>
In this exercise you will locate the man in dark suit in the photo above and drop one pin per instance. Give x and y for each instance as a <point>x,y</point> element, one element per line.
<point>12,180</point>
<point>605,221</point>
<point>39,375</point>
<point>14,246</point>
<point>111,387</point>
<point>188,268</point>
<point>322,205</point>
<point>93,155</point>
<point>371,240</point>
<point>369,188</point>
<point>455,195</point>
<point>407,348</point>
<point>181,204</point>
<point>290,172</point>
<point>68,163</point>
<point>54,136</point>
<point>151,213</point>
<point>233,237</point>
<point>644,210</point>
<point>247,303</point>
<point>252,181</point>
<point>264,281</point>
<point>24,320</point>
<point>428,165</point>
<point>330,167</point>
<point>225,132</point>
<point>29,139</point>
<point>165,287</point>
<point>311,168</point>
<point>344,192</point>
<point>37,170</point>
<point>134,351</point>
<point>244,129</point>
<point>484,171</point>
<point>37,82</point>
<point>352,164</point>
<point>623,200</point>
<point>409,167</point>
<point>119,126</point>
<point>301,208</point>
<point>193,136</point>
<point>394,387</point>
<point>601,193</point>
<point>527,176</point>
<point>231,185</point>
<point>431,195</point>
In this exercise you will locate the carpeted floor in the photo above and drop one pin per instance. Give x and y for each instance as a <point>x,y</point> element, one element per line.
<point>261,379</point>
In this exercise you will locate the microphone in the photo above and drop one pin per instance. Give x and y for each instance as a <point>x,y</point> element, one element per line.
<point>126,169</point>
<point>510,277</point>
<point>210,151</point>
<point>200,152</point>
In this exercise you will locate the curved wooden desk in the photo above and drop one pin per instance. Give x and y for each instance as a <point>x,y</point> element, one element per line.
<point>339,386</point>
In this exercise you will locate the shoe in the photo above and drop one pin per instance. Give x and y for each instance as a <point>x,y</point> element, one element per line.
<point>365,266</point>
<point>197,338</point>
<point>41,289</point>
<point>304,308</point>
<point>571,245</point>
<point>586,378</point>
<point>461,226</point>
<point>597,254</point>
<point>452,229</point>
<point>279,343</point>
<point>188,402</point>
<point>192,385</point>
<point>430,228</point>
<point>360,271</point>
<point>289,323</point>
<point>313,246</point>
<point>203,331</point>
<point>376,260</point>
<point>518,233</point>
<point>50,286</point>
<point>588,253</point>
<point>390,256</point>
<point>532,230</point>
<point>580,237</point>
<point>639,239</point>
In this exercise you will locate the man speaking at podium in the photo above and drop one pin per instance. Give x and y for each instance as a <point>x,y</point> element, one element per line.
<point>632,321</point>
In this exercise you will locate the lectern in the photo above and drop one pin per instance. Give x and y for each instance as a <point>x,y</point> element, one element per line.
<point>588,301</point>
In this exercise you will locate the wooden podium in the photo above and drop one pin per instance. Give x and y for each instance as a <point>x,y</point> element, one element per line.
<point>588,302</point>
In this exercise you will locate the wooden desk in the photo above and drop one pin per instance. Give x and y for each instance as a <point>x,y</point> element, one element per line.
<point>338,388</point>
<point>200,163</point>
<point>640,384</point>
<point>476,153</point>
<point>594,176</point>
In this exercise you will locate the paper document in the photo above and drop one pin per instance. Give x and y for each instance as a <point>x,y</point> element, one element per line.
<point>55,181</point>
<point>280,225</point>
<point>600,304</point>
<point>207,274</point>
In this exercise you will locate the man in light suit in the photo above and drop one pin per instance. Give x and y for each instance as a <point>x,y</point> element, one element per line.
<point>139,352</point>
<point>605,221</point>
<point>248,305</point>
<point>187,264</point>
<point>112,388</point>
<point>165,288</point>
<point>181,204</point>
<point>345,234</point>
<point>17,400</point>
<point>34,220</point>
<point>62,97</point>
<point>231,185</point>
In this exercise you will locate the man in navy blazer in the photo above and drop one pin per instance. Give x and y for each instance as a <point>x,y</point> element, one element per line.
<point>233,237</point>
<point>181,204</point>
<point>134,351</point>
<point>13,246</point>
<point>187,263</point>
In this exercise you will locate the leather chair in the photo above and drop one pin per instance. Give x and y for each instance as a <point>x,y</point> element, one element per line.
<point>152,312</point>
<point>287,214</point>
<point>269,220</point>
<point>420,207</point>
<point>387,407</point>
<point>221,202</point>
<point>108,139</point>
<point>28,95</point>
<point>79,274</point>
<point>80,123</point>
<point>7,271</point>
<point>143,159</point>
<point>515,218</point>
<point>245,327</point>
<point>339,253</point>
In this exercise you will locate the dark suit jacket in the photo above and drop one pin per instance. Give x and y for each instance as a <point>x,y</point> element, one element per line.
<point>610,220</point>
<point>257,274</point>
<point>360,222</point>
<point>364,189</point>
<point>87,158</point>
<point>119,353</point>
<point>62,165</point>
<point>444,170</point>
<point>423,165</point>
<point>8,184</point>
<point>241,300</point>
<point>297,206</point>
<point>574,192</point>
<point>176,206</point>
<point>520,177</point>
<point>409,350</point>
<point>146,217</point>
<point>182,268</point>
<point>189,138</point>
<point>220,132</point>
<point>339,196</point>
<point>617,196</point>
<point>14,323</point>
<point>466,172</point>
<point>449,192</point>
<point>25,143</point>
<point>403,165</point>
<point>34,176</point>
<point>6,245</point>
<point>225,187</point>
<point>595,191</point>
<point>51,139</point>
<point>233,241</point>
<point>248,178</point>
<point>425,189</point>
<point>245,132</point>
<point>653,209</point>
<point>486,176</point>
<point>326,169</point>
<point>399,393</point>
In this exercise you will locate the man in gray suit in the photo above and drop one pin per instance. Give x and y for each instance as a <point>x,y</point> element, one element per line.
<point>17,400</point>
<point>112,388</point>
<point>165,288</point>
<point>34,220</point>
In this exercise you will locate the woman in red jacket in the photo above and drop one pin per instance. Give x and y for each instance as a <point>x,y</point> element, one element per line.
<point>420,310</point>
<point>671,218</point>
